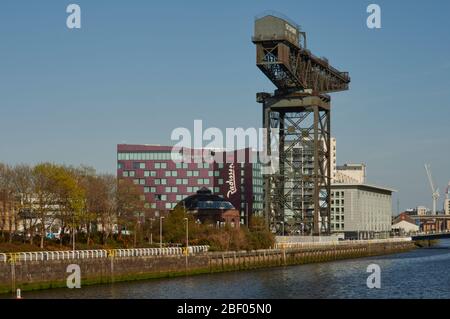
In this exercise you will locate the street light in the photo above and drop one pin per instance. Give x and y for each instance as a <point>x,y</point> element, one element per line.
<point>187,240</point>
<point>151,230</point>
<point>160,231</point>
<point>282,223</point>
<point>246,215</point>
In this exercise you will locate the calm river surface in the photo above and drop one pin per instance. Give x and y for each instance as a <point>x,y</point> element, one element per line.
<point>423,273</point>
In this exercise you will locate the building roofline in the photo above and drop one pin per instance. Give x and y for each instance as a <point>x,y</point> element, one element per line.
<point>364,185</point>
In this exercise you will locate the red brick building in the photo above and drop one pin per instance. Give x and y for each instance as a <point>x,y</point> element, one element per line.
<point>165,182</point>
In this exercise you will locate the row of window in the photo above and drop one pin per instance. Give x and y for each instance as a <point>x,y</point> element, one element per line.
<point>163,165</point>
<point>337,226</point>
<point>175,190</point>
<point>148,156</point>
<point>178,181</point>
<point>337,194</point>
<point>170,173</point>
<point>185,181</point>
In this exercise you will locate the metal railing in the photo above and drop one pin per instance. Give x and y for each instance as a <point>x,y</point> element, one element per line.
<point>100,253</point>
<point>306,245</point>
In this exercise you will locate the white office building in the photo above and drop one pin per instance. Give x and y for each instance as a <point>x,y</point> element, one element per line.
<point>361,211</point>
<point>422,210</point>
<point>350,174</point>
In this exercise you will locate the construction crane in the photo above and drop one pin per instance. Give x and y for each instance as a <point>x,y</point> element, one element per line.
<point>299,111</point>
<point>434,190</point>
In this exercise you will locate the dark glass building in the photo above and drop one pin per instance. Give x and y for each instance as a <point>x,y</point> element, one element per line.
<point>210,208</point>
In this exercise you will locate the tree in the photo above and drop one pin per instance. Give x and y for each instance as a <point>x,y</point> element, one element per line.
<point>8,199</point>
<point>22,179</point>
<point>130,207</point>
<point>174,226</point>
<point>100,203</point>
<point>57,195</point>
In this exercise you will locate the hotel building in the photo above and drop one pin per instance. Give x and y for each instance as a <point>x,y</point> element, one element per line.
<point>165,182</point>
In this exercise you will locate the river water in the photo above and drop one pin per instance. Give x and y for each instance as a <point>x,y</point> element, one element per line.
<point>422,273</point>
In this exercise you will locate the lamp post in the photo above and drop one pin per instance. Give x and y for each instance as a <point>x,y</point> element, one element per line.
<point>160,231</point>
<point>151,230</point>
<point>187,240</point>
<point>246,215</point>
<point>73,232</point>
<point>282,223</point>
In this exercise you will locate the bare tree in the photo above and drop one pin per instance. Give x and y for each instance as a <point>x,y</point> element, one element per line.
<point>8,198</point>
<point>23,183</point>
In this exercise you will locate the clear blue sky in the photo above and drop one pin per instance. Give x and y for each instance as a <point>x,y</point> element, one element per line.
<point>138,69</point>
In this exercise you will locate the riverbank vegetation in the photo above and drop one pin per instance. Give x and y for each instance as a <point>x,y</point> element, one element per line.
<point>57,207</point>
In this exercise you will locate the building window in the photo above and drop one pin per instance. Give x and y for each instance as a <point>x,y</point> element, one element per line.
<point>149,189</point>
<point>168,205</point>
<point>203,181</point>
<point>119,165</point>
<point>220,181</point>
<point>210,173</point>
<point>125,174</point>
<point>160,181</point>
<point>141,181</point>
<point>171,173</point>
<point>160,197</point>
<point>137,165</point>
<point>149,173</point>
<point>160,165</point>
<point>192,173</point>
<point>181,165</point>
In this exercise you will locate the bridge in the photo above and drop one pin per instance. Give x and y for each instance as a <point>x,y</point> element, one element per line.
<point>431,235</point>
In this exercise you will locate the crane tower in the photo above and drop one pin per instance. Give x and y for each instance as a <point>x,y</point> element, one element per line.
<point>298,194</point>
<point>434,191</point>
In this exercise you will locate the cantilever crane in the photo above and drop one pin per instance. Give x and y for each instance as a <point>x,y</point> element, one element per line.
<point>434,190</point>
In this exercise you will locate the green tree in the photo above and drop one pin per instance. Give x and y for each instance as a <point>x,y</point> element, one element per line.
<point>130,207</point>
<point>174,226</point>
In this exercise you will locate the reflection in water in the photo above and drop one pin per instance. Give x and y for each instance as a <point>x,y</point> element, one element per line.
<point>421,273</point>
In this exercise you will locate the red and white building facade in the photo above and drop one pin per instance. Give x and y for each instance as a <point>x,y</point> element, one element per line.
<point>165,181</point>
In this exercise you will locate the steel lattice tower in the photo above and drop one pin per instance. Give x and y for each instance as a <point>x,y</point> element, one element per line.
<point>297,196</point>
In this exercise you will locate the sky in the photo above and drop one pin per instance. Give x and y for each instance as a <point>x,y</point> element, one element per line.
<point>136,70</point>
